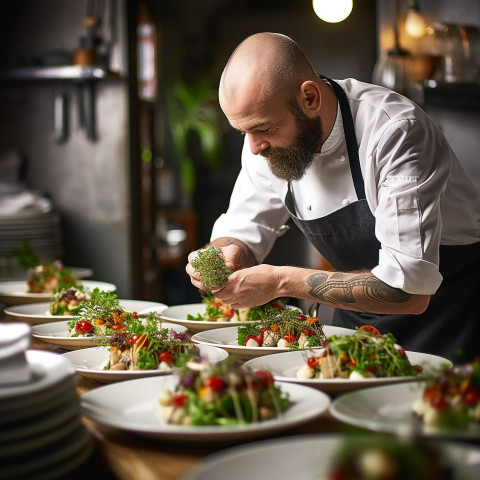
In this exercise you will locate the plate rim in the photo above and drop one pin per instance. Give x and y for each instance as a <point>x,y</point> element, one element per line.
<point>207,432</point>
<point>395,427</point>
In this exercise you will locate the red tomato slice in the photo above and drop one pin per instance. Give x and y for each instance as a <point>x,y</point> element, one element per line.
<point>166,357</point>
<point>369,328</point>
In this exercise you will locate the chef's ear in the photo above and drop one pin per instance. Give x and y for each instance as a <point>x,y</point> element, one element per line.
<point>310,97</point>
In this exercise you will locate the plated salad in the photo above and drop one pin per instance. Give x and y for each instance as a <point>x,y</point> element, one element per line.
<point>451,400</point>
<point>223,394</point>
<point>283,328</point>
<point>68,301</point>
<point>366,353</point>
<point>49,277</point>
<point>217,311</point>
<point>147,345</point>
<point>101,315</point>
<point>386,457</point>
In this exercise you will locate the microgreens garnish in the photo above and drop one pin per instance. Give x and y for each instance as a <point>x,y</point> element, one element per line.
<point>210,264</point>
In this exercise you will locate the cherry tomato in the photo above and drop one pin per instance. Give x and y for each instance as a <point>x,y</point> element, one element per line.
<point>401,350</point>
<point>135,315</point>
<point>228,313</point>
<point>438,401</point>
<point>302,317</point>
<point>312,362</point>
<point>265,376</point>
<point>309,333</point>
<point>471,396</point>
<point>141,339</point>
<point>417,368</point>
<point>118,327</point>
<point>369,328</point>
<point>166,357</point>
<point>289,338</point>
<point>84,326</point>
<point>215,383</point>
<point>179,399</point>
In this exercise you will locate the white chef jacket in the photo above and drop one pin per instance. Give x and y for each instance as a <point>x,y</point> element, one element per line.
<point>415,187</point>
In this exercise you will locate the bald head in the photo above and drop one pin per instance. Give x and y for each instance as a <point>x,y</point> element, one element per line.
<point>267,65</point>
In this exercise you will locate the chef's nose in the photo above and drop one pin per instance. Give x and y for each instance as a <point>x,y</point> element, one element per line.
<point>257,143</point>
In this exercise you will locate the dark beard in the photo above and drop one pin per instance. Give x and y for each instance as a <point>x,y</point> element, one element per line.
<point>291,163</point>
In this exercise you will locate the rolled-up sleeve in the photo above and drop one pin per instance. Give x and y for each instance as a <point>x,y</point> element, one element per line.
<point>256,214</point>
<point>408,206</point>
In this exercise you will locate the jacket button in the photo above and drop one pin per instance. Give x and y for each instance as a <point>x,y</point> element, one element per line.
<point>345,201</point>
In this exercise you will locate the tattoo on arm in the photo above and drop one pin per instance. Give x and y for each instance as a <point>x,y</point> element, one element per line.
<point>337,290</point>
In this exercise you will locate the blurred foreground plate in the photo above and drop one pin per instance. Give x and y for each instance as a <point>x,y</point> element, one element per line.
<point>306,457</point>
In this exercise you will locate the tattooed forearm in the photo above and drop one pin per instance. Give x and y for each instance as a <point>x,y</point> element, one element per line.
<point>337,289</point>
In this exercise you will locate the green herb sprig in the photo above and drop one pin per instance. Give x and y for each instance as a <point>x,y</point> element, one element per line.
<point>210,264</point>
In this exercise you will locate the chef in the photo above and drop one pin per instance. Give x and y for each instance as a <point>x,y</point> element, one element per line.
<point>372,183</point>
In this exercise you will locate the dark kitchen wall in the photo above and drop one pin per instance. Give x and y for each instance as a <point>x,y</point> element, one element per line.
<point>87,180</point>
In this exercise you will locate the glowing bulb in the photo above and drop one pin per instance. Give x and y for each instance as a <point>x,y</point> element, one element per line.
<point>414,23</point>
<point>332,11</point>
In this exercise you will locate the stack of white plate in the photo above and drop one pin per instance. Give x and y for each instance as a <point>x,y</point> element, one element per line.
<point>41,229</point>
<point>41,433</point>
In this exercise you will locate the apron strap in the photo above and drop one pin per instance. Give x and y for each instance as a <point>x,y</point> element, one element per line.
<point>350,138</point>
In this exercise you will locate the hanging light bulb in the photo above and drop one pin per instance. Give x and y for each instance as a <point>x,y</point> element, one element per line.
<point>414,23</point>
<point>332,11</point>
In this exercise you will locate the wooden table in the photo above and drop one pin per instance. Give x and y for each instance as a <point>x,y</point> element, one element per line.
<point>126,456</point>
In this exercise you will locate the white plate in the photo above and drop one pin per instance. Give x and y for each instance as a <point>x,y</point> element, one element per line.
<point>389,409</point>
<point>226,338</point>
<point>133,406</point>
<point>35,313</point>
<point>56,333</point>
<point>87,363</point>
<point>47,368</point>
<point>14,293</point>
<point>305,457</point>
<point>284,367</point>
<point>79,272</point>
<point>179,313</point>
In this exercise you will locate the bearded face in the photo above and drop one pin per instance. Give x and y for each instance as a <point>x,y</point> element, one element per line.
<point>291,163</point>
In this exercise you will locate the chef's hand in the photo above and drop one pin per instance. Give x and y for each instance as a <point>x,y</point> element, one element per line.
<point>233,261</point>
<point>250,287</point>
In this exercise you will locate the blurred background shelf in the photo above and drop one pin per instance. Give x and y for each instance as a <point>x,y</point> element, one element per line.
<point>63,72</point>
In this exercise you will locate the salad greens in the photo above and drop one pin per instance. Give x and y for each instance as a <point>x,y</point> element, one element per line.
<point>223,394</point>
<point>364,352</point>
<point>295,328</point>
<point>145,343</point>
<point>451,398</point>
<point>50,277</point>
<point>217,310</point>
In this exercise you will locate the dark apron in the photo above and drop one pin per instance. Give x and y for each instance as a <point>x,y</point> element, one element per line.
<point>450,326</point>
